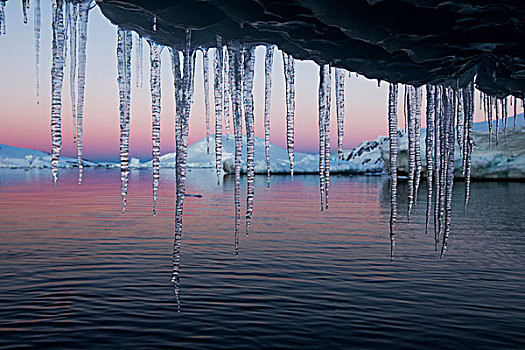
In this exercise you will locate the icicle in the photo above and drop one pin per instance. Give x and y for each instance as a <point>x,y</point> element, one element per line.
<point>469,144</point>
<point>405,107</point>
<point>449,150</point>
<point>25,6</point>
<point>340,101</point>
<point>124,45</point>
<point>497,120</point>
<point>73,18</point>
<point>83,13</point>
<point>418,97</point>
<point>227,92</point>
<point>206,74</point>
<point>155,52</point>
<point>392,133</point>
<point>2,17</point>
<point>218,88</point>
<point>37,21</point>
<point>268,66</point>
<point>444,156</point>
<point>515,113</point>
<point>235,60</point>
<point>57,77</point>
<point>324,113</point>
<point>289,74</point>
<point>460,114</point>
<point>328,104</point>
<point>504,117</point>
<point>488,100</point>
<point>429,143</point>
<point>139,66</point>
<point>411,114</point>
<point>438,116</point>
<point>183,96</point>
<point>249,58</point>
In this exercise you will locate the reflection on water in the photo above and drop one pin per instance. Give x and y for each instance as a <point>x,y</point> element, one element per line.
<point>77,273</point>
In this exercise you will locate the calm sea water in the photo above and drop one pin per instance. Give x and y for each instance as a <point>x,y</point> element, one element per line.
<point>75,273</point>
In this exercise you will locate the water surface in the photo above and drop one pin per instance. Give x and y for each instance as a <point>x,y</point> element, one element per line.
<point>75,273</point>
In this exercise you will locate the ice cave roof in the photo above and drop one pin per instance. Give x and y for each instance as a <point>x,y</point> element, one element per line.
<point>406,41</point>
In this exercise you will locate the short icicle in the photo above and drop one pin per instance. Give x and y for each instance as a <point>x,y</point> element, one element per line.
<point>155,89</point>
<point>2,17</point>
<point>268,66</point>
<point>25,7</point>
<point>429,143</point>
<point>249,58</point>
<point>206,75</point>
<point>340,102</point>
<point>515,103</point>
<point>218,89</point>
<point>124,44</point>
<point>226,92</point>
<point>289,74</point>
<point>83,13</point>
<point>57,78</point>
<point>392,133</point>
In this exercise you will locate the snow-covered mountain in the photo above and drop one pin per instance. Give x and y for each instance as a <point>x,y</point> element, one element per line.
<point>198,157</point>
<point>16,157</point>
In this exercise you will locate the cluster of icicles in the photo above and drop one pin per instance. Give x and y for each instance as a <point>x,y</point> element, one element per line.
<point>449,117</point>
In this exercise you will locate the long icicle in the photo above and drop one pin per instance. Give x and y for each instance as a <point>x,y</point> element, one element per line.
<point>183,97</point>
<point>324,80</point>
<point>73,19</point>
<point>328,103</point>
<point>504,117</point>
<point>340,101</point>
<point>37,22</point>
<point>515,102</point>
<point>469,145</point>
<point>83,15</point>
<point>124,45</point>
<point>206,75</point>
<point>444,154</point>
<point>268,67</point>
<point>450,168</point>
<point>417,140</point>
<point>437,163</point>
<point>411,146</point>
<point>235,60</point>
<point>57,78</point>
<point>392,133</point>
<point>218,89</point>
<point>289,74</point>
<point>155,89</point>
<point>496,116</point>
<point>429,143</point>
<point>249,58</point>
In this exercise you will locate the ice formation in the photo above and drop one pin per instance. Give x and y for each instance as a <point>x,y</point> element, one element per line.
<point>155,52</point>
<point>124,45</point>
<point>249,58</point>
<point>268,67</point>
<point>218,90</point>
<point>449,119</point>
<point>57,78</point>
<point>289,74</point>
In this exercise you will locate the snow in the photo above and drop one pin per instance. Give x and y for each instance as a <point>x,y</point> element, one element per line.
<point>15,157</point>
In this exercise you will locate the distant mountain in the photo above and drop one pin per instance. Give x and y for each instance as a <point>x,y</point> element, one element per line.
<point>16,157</point>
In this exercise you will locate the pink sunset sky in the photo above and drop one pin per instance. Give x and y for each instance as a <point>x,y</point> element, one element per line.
<point>24,123</point>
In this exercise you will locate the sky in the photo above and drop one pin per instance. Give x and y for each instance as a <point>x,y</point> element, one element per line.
<point>24,123</point>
